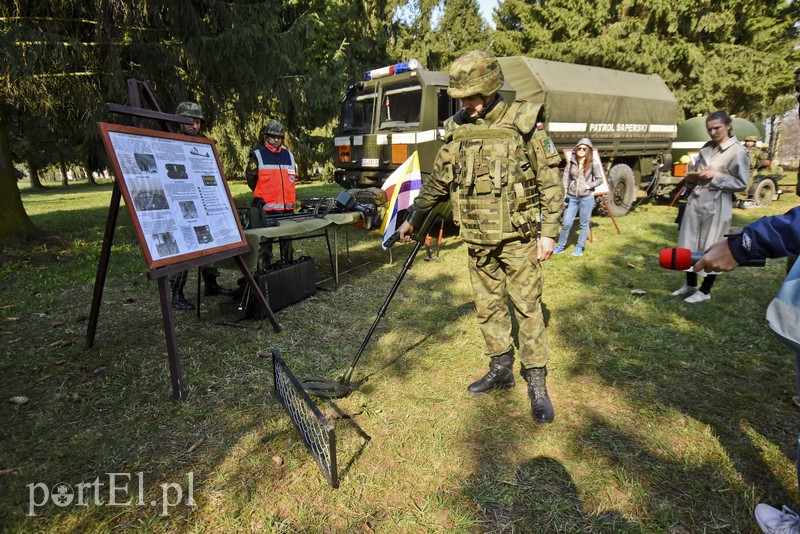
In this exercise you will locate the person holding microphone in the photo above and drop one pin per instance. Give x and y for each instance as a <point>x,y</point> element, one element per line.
<point>768,237</point>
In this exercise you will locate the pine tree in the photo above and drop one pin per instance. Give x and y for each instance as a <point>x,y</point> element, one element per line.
<point>714,54</point>
<point>244,62</point>
<point>436,43</point>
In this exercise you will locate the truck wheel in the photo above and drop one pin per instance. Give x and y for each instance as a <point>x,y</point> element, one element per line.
<point>623,190</point>
<point>764,192</point>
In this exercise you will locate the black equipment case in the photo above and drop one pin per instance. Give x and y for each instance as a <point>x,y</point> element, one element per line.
<point>286,282</point>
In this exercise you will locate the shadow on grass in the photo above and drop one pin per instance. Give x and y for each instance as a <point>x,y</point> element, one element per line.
<point>626,370</point>
<point>715,362</point>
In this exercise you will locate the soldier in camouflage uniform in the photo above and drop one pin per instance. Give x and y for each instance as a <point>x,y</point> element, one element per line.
<point>497,169</point>
<point>210,274</point>
<point>757,156</point>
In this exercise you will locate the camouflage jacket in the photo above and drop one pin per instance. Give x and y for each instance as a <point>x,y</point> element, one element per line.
<point>540,153</point>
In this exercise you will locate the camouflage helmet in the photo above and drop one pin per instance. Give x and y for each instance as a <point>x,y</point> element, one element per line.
<point>475,73</point>
<point>273,129</point>
<point>190,109</point>
<point>752,138</point>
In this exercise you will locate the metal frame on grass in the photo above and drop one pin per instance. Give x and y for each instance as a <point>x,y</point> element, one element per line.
<point>317,433</point>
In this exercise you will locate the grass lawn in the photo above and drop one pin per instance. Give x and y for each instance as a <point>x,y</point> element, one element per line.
<point>669,417</point>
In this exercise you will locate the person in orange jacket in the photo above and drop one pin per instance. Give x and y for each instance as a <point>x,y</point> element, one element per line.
<point>271,173</point>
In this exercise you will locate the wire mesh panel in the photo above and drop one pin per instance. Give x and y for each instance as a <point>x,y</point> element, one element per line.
<point>317,433</point>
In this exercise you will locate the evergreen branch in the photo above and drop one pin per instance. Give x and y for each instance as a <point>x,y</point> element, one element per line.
<point>46,19</point>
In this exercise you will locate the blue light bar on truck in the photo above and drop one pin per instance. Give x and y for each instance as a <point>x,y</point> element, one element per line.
<point>397,68</point>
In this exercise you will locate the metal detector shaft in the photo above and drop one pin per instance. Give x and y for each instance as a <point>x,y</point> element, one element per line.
<point>406,266</point>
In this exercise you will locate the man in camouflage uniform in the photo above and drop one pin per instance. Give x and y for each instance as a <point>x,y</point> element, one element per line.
<point>497,169</point>
<point>757,156</point>
<point>210,274</point>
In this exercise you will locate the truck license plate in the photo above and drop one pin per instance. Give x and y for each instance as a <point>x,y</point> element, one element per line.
<point>369,162</point>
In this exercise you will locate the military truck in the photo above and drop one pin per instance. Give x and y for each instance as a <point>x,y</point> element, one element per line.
<point>631,119</point>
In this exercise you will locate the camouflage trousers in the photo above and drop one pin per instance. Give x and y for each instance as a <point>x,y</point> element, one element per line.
<point>511,273</point>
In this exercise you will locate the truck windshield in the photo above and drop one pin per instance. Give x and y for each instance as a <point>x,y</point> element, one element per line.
<point>400,107</point>
<point>358,108</point>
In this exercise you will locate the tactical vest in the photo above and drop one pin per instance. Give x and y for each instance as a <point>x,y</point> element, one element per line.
<point>493,190</point>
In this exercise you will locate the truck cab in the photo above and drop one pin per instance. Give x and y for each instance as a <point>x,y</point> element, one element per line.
<point>393,112</point>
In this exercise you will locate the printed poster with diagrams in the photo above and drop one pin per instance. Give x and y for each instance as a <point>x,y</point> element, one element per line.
<point>176,193</point>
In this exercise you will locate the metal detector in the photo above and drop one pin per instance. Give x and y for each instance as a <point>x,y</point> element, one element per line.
<point>335,389</point>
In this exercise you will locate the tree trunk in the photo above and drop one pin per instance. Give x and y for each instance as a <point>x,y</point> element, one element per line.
<point>774,135</point>
<point>63,166</point>
<point>33,171</point>
<point>15,225</point>
<point>777,147</point>
<point>90,176</point>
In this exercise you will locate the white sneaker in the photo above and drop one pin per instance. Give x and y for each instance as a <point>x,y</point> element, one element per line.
<point>697,297</point>
<point>684,291</point>
<point>773,521</point>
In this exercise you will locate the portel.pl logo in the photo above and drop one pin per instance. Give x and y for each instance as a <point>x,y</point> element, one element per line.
<point>116,492</point>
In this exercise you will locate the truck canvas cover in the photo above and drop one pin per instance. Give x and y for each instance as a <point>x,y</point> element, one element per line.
<point>583,101</point>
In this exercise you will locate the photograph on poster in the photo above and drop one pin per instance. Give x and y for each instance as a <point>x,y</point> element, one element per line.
<point>603,189</point>
<point>203,234</point>
<point>176,171</point>
<point>146,162</point>
<point>188,209</point>
<point>150,199</point>
<point>166,244</point>
<point>176,193</point>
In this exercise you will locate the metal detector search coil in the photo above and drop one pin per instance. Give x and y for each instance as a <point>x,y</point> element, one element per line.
<point>317,433</point>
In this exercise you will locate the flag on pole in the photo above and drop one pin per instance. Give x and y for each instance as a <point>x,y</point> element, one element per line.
<point>402,187</point>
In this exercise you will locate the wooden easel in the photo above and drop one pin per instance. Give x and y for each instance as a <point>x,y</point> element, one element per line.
<point>608,212</point>
<point>137,91</point>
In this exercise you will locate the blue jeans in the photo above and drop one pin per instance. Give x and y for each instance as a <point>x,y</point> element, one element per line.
<point>584,206</point>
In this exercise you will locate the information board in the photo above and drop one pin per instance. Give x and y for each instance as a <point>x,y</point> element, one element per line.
<point>176,193</point>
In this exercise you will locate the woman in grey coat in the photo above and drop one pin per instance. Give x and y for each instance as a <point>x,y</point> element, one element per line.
<point>721,169</point>
<point>582,176</point>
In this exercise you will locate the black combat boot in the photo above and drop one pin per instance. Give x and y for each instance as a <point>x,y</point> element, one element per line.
<point>179,301</point>
<point>212,288</point>
<point>500,375</point>
<point>541,407</point>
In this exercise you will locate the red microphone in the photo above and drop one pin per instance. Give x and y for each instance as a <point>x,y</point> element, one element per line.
<point>680,259</point>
